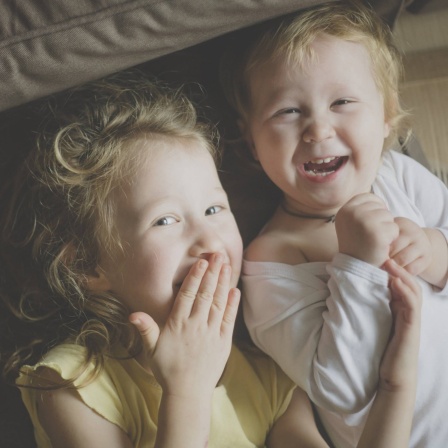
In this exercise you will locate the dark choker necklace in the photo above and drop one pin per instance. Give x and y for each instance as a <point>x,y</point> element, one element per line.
<point>329,219</point>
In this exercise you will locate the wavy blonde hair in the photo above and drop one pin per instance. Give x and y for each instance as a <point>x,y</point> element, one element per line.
<point>292,38</point>
<point>60,212</point>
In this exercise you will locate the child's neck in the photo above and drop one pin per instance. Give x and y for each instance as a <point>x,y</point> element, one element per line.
<point>327,218</point>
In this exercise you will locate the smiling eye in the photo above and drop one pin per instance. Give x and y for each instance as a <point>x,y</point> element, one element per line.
<point>341,102</point>
<point>289,111</point>
<point>213,210</point>
<point>165,221</point>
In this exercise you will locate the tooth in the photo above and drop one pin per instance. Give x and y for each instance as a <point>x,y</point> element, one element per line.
<point>320,161</point>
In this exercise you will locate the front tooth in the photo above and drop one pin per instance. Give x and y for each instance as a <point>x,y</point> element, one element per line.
<point>320,161</point>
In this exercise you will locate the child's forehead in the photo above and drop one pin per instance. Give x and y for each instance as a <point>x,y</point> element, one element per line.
<point>156,152</point>
<point>323,47</point>
<point>300,52</point>
<point>148,146</point>
<point>168,170</point>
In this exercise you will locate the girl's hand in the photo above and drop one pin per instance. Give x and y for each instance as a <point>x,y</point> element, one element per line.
<point>188,355</point>
<point>390,418</point>
<point>399,365</point>
<point>366,229</point>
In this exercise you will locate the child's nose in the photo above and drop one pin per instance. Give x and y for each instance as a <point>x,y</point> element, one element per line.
<point>207,242</point>
<point>317,130</point>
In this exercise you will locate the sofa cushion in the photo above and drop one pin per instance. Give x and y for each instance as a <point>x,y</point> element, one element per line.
<point>49,45</point>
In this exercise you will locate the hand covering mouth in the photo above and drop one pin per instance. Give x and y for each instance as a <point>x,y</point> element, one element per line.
<point>325,166</point>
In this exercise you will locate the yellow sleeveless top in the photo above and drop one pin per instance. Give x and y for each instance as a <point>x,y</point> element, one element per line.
<point>251,395</point>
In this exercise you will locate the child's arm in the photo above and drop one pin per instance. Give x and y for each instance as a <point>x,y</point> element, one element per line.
<point>69,423</point>
<point>188,355</point>
<point>421,251</point>
<point>390,419</point>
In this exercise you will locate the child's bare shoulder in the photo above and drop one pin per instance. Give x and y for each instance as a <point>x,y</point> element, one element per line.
<point>275,246</point>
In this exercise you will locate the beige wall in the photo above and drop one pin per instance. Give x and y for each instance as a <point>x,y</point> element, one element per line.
<point>424,40</point>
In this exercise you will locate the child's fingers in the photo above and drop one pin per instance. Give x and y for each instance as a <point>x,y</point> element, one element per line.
<point>409,258</point>
<point>406,293</point>
<point>187,295</point>
<point>220,298</point>
<point>147,328</point>
<point>408,279</point>
<point>208,286</point>
<point>400,290</point>
<point>231,311</point>
<point>404,256</point>
<point>404,301</point>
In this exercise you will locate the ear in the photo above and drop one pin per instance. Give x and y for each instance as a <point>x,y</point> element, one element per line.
<point>245,132</point>
<point>98,281</point>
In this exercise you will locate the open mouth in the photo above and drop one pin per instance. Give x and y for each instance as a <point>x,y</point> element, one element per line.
<point>324,167</point>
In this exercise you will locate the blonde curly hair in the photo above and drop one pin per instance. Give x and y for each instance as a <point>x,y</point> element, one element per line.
<point>60,212</point>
